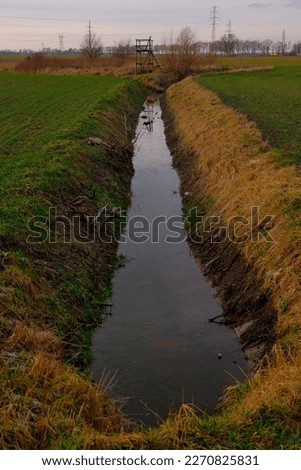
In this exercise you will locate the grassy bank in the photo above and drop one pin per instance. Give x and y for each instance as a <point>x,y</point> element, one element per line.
<point>51,293</point>
<point>227,169</point>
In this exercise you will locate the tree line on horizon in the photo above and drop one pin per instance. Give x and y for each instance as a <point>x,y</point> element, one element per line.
<point>228,45</point>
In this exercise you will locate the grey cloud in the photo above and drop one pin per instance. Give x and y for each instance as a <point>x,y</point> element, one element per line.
<point>294,4</point>
<point>260,5</point>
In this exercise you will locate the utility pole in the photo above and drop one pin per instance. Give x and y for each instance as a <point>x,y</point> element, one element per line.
<point>283,42</point>
<point>61,39</point>
<point>90,35</point>
<point>214,22</point>
<point>229,31</point>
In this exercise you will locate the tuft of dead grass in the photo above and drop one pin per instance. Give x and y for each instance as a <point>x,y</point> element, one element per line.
<point>16,278</point>
<point>46,404</point>
<point>28,339</point>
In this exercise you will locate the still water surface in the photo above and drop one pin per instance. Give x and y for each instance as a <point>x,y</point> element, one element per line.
<point>158,340</point>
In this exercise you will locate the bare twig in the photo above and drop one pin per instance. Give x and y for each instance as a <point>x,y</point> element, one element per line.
<point>213,320</point>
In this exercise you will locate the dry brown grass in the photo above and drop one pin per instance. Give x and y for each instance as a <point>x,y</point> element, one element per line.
<point>34,340</point>
<point>16,278</point>
<point>250,68</point>
<point>8,64</point>
<point>43,402</point>
<point>40,63</point>
<point>275,387</point>
<point>46,404</point>
<point>172,65</point>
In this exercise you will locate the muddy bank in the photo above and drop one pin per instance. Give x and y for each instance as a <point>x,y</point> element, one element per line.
<point>225,170</point>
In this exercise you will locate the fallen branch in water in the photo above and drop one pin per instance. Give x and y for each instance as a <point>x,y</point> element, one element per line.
<point>214,319</point>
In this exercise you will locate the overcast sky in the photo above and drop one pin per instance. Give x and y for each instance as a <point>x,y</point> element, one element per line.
<point>33,23</point>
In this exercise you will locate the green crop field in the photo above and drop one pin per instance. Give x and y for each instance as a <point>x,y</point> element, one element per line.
<point>260,61</point>
<point>271,99</point>
<point>44,119</point>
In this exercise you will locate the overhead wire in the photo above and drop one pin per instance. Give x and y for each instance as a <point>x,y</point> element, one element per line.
<point>104,25</point>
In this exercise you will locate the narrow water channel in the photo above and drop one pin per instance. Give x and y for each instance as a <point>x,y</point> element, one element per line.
<point>158,343</point>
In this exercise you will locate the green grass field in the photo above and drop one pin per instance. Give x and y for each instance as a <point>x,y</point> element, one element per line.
<point>260,61</point>
<point>271,99</point>
<point>44,119</point>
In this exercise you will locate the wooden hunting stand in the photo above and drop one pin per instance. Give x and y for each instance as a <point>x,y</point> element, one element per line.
<point>145,57</point>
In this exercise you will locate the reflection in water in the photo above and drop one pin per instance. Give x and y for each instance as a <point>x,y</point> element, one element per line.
<point>159,339</point>
<point>148,117</point>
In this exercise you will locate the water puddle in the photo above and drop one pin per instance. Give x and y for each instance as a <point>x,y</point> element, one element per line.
<point>158,340</point>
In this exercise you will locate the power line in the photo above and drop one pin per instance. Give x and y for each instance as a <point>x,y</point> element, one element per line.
<point>120,30</point>
<point>109,20</point>
<point>33,26</point>
<point>37,18</point>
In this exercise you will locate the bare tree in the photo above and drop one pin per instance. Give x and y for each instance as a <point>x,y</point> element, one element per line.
<point>228,44</point>
<point>255,47</point>
<point>91,46</point>
<point>297,48</point>
<point>203,47</point>
<point>182,54</point>
<point>266,46</point>
<point>215,47</point>
<point>278,47</point>
<point>123,49</point>
<point>186,42</point>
